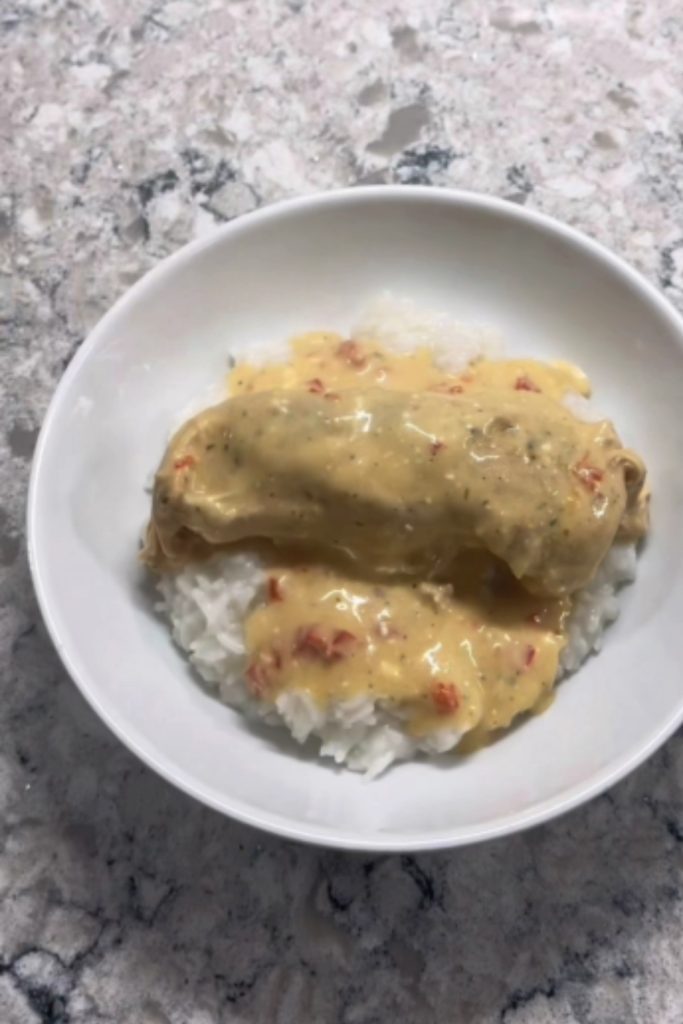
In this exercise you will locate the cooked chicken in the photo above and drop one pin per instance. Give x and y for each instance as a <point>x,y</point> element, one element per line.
<point>401,482</point>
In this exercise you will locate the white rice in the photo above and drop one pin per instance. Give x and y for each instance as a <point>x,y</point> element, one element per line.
<point>206,604</point>
<point>399,324</point>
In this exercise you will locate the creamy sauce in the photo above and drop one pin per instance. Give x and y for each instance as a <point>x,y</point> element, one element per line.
<point>322,362</point>
<point>473,652</point>
<point>383,471</point>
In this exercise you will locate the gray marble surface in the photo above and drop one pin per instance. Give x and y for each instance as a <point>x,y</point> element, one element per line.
<point>129,127</point>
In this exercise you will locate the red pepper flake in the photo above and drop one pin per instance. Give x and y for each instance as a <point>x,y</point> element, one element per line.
<point>350,351</point>
<point>275,592</point>
<point>590,476</point>
<point>436,447</point>
<point>311,642</point>
<point>257,679</point>
<point>529,655</point>
<point>524,383</point>
<point>187,462</point>
<point>343,643</point>
<point>445,698</point>
<point>315,386</point>
<point>260,672</point>
<point>309,639</point>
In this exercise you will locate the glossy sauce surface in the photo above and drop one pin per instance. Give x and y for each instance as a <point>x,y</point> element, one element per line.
<point>323,362</point>
<point>398,465</point>
<point>471,654</point>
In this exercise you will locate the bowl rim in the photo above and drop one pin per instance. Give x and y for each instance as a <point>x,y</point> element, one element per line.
<point>315,835</point>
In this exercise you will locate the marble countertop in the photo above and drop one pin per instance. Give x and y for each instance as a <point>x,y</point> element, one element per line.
<point>135,125</point>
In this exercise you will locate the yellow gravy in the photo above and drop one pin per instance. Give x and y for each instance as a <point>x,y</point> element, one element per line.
<point>471,653</point>
<point>468,654</point>
<point>325,363</point>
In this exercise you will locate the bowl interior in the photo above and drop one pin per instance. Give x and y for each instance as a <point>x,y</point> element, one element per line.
<point>312,264</point>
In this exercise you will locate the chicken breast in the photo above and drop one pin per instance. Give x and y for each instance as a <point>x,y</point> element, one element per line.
<point>400,482</point>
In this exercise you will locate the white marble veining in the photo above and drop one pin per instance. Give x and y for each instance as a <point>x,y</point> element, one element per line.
<point>128,127</point>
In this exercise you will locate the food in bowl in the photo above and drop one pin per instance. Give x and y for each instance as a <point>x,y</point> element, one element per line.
<point>391,549</point>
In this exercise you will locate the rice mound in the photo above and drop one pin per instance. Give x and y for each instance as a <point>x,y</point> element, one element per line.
<point>206,603</point>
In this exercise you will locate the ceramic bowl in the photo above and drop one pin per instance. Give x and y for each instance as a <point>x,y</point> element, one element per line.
<point>311,263</point>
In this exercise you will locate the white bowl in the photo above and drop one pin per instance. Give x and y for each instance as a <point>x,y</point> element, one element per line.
<point>309,263</point>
